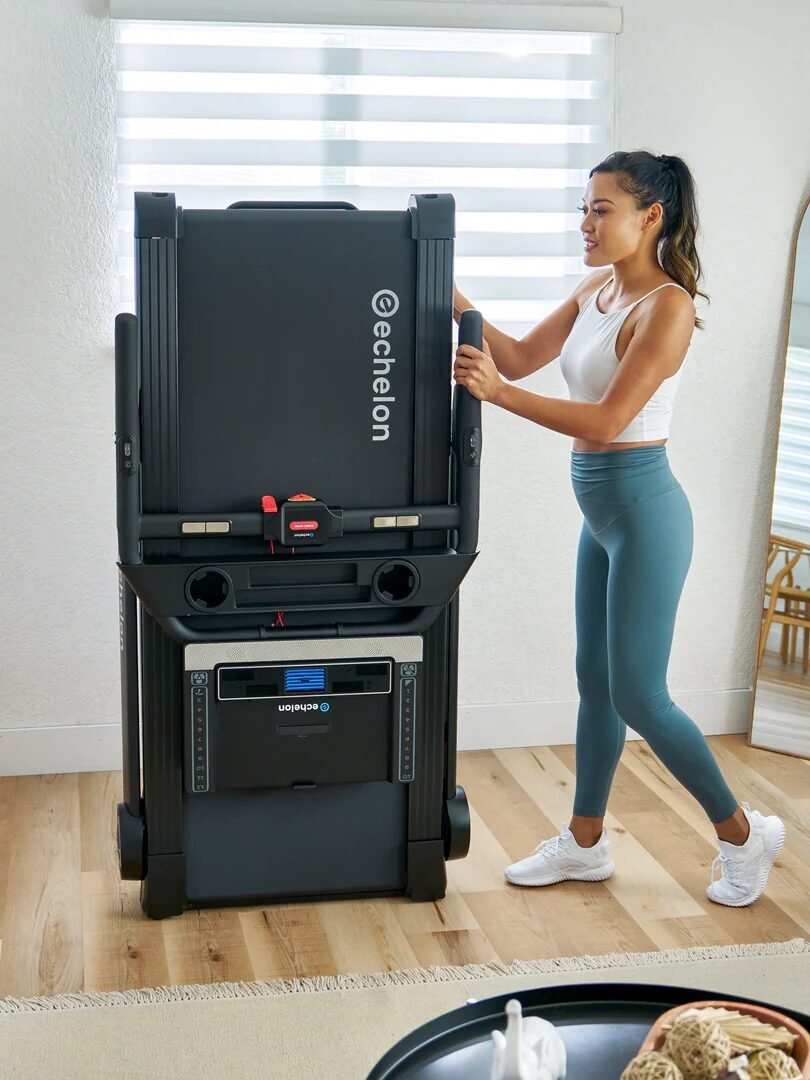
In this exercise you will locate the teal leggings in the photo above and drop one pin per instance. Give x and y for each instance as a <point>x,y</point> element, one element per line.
<point>634,552</point>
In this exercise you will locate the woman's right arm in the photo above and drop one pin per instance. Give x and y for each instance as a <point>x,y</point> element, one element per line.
<point>516,359</point>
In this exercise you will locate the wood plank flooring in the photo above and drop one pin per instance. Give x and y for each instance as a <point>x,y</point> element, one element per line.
<point>67,923</point>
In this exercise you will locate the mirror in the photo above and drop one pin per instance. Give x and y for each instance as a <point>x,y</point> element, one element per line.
<point>780,718</point>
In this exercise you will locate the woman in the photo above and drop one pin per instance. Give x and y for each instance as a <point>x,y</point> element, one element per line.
<point>622,337</point>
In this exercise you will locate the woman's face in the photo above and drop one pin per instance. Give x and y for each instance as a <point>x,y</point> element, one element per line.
<point>612,226</point>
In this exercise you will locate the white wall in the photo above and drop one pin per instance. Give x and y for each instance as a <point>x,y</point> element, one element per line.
<point>724,85</point>
<point>58,614</point>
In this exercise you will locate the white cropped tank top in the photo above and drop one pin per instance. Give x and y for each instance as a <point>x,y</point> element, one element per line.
<point>588,362</point>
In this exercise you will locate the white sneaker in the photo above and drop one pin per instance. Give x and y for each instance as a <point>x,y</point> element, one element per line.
<point>562,859</point>
<point>744,868</point>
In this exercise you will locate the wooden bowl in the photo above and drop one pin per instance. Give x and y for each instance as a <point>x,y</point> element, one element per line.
<point>801,1048</point>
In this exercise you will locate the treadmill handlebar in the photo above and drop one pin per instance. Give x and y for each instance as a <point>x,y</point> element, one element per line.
<point>390,519</point>
<point>467,441</point>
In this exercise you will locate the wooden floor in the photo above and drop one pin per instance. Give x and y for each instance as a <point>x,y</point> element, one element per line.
<point>67,923</point>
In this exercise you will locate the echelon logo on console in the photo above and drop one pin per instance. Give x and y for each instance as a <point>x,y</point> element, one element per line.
<point>384,303</point>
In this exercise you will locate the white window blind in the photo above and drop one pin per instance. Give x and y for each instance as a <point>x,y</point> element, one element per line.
<point>509,122</point>
<point>791,500</point>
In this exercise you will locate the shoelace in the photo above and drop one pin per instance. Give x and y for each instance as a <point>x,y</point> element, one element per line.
<point>728,870</point>
<point>550,847</point>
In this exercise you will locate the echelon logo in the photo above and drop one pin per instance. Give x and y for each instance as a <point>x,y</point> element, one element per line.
<point>384,303</point>
<point>304,706</point>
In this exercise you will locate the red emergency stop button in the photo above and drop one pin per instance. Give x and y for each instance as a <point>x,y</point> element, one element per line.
<point>303,526</point>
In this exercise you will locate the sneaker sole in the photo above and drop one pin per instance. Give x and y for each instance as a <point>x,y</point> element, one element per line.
<point>773,855</point>
<point>600,873</point>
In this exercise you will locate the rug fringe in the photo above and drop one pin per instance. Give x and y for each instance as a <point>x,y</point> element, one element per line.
<point>408,977</point>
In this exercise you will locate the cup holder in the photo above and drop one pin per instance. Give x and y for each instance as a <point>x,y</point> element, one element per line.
<point>208,588</point>
<point>396,582</point>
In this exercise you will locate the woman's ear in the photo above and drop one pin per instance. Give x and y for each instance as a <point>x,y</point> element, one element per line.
<point>654,215</point>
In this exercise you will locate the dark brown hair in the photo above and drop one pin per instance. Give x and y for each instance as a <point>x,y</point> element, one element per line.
<point>667,180</point>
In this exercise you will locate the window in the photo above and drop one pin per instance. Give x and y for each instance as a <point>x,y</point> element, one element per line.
<point>791,500</point>
<point>509,122</point>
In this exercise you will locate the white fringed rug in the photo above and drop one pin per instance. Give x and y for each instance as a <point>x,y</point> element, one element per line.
<point>335,1028</point>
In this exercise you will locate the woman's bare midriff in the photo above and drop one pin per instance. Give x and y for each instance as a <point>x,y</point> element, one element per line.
<point>585,446</point>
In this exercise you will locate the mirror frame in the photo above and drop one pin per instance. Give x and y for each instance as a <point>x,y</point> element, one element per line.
<point>804,216</point>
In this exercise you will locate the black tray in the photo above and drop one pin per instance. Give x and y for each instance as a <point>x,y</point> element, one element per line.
<point>602,1025</point>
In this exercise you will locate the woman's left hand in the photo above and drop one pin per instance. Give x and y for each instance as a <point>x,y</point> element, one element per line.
<point>475,370</point>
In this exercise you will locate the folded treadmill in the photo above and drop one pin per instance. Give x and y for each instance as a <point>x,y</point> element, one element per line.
<point>297,505</point>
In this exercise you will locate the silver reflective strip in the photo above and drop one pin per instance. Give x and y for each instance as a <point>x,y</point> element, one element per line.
<point>205,657</point>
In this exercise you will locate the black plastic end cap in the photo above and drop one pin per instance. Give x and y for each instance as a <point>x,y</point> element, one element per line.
<point>131,844</point>
<point>156,215</point>
<point>433,217</point>
<point>456,826</point>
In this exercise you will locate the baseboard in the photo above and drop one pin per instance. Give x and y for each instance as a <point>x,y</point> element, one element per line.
<point>97,748</point>
<point>554,723</point>
<point>66,749</point>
